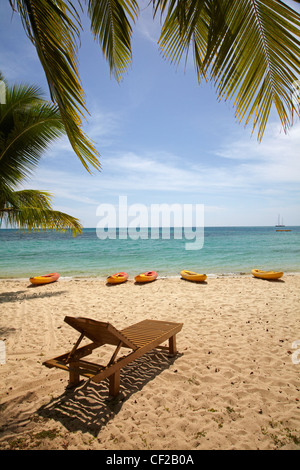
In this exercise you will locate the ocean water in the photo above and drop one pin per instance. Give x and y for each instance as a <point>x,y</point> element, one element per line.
<point>225,251</point>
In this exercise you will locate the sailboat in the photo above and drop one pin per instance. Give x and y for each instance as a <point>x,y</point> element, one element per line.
<point>279,224</point>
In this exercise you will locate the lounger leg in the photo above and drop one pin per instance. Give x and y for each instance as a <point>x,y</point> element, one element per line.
<point>172,345</point>
<point>114,384</point>
<point>74,375</point>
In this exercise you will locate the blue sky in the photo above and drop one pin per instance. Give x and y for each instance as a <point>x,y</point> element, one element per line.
<point>162,138</point>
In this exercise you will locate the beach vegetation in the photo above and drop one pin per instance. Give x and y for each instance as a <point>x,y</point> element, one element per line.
<point>284,435</point>
<point>20,443</point>
<point>200,434</point>
<point>192,380</point>
<point>292,436</point>
<point>33,440</point>
<point>28,126</point>
<point>229,409</point>
<point>47,434</point>
<point>249,49</point>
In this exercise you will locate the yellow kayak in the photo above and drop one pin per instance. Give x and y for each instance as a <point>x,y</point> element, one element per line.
<point>266,274</point>
<point>191,276</point>
<point>117,278</point>
<point>146,277</point>
<point>45,279</point>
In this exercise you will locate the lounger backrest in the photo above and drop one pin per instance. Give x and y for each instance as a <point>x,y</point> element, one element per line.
<point>99,332</point>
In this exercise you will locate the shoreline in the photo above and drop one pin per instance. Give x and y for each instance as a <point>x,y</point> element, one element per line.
<point>102,278</point>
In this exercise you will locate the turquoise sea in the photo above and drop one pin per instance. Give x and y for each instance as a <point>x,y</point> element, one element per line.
<point>226,251</point>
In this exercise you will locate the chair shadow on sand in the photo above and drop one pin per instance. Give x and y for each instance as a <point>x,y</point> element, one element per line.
<point>88,408</point>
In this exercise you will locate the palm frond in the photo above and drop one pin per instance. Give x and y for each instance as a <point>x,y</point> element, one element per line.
<point>260,61</point>
<point>110,23</point>
<point>31,210</point>
<point>185,25</point>
<point>28,125</point>
<point>19,97</point>
<point>53,27</point>
<point>249,48</point>
<point>29,197</point>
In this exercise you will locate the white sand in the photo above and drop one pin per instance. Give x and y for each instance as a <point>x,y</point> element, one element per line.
<point>233,384</point>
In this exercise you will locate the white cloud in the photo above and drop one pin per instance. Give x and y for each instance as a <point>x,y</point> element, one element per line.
<point>102,126</point>
<point>275,145</point>
<point>273,161</point>
<point>267,169</point>
<point>252,166</point>
<point>148,27</point>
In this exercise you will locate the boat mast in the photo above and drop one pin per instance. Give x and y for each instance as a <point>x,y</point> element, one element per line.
<point>279,224</point>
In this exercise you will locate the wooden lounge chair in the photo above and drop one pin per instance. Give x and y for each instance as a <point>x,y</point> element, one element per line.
<point>140,338</point>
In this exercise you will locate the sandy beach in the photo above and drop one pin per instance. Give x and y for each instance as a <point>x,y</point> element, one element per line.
<point>233,385</point>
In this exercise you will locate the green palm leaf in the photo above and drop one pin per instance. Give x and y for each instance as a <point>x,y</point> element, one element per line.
<point>31,210</point>
<point>250,48</point>
<point>260,63</point>
<point>28,125</point>
<point>53,27</point>
<point>110,23</point>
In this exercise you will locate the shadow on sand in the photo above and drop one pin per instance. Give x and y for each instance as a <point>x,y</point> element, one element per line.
<point>276,281</point>
<point>88,408</point>
<point>20,295</point>
<point>194,282</point>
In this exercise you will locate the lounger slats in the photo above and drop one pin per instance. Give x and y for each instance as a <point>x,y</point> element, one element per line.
<point>101,332</point>
<point>147,331</point>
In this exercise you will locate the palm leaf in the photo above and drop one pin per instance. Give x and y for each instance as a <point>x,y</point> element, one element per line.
<point>28,125</point>
<point>110,23</point>
<point>25,198</point>
<point>53,27</point>
<point>31,210</point>
<point>249,48</point>
<point>185,24</point>
<point>260,63</point>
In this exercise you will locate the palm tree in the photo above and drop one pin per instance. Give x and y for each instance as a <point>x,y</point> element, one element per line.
<point>28,124</point>
<point>249,48</point>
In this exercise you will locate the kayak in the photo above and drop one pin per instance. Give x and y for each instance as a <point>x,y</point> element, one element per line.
<point>146,277</point>
<point>45,279</point>
<point>117,278</point>
<point>191,276</point>
<point>266,274</point>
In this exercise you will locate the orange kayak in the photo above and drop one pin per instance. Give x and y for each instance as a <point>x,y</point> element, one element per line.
<point>117,278</point>
<point>146,277</point>
<point>45,279</point>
